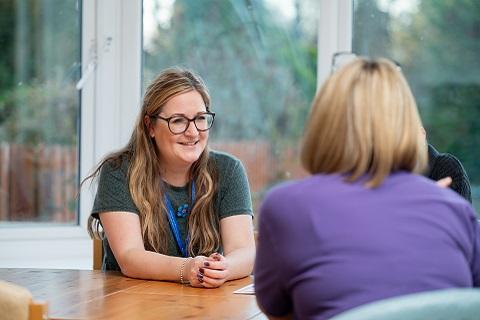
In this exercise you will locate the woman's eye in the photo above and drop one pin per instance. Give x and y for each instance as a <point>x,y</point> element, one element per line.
<point>178,120</point>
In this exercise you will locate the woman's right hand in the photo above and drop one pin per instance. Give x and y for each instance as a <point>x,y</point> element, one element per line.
<point>445,182</point>
<point>192,271</point>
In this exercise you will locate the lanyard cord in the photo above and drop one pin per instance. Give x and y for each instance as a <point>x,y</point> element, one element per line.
<point>182,245</point>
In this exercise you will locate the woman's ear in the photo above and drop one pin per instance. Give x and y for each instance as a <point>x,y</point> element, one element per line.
<point>148,123</point>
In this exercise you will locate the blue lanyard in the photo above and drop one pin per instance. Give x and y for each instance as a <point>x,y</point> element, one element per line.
<point>183,245</point>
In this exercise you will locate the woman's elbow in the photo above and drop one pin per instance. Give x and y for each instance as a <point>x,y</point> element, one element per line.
<point>129,272</point>
<point>128,265</point>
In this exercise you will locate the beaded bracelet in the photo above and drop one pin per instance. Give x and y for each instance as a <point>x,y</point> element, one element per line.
<point>182,268</point>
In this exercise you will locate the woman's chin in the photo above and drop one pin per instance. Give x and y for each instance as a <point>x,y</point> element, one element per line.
<point>189,154</point>
<point>190,158</point>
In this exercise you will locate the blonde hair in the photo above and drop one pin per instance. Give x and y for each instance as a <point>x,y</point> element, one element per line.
<point>145,183</point>
<point>364,120</point>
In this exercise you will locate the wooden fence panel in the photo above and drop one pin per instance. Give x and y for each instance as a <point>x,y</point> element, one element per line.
<point>256,157</point>
<point>38,183</point>
<point>264,166</point>
<point>4,181</point>
<point>22,184</point>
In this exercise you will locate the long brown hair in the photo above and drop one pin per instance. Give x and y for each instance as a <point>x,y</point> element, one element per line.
<point>145,182</point>
<point>364,120</point>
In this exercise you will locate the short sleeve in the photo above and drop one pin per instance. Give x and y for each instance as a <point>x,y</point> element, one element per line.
<point>112,192</point>
<point>234,192</point>
<point>271,295</point>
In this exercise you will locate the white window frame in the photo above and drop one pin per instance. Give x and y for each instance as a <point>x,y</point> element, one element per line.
<point>111,96</point>
<point>334,33</point>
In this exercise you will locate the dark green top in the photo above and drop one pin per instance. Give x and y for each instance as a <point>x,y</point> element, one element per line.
<point>232,198</point>
<point>443,165</point>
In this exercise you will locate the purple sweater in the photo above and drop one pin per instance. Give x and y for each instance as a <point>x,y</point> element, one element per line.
<point>326,246</point>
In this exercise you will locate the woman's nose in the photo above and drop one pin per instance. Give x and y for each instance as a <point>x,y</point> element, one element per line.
<point>191,129</point>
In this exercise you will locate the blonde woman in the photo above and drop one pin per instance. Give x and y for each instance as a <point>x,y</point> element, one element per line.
<point>170,208</point>
<point>365,225</point>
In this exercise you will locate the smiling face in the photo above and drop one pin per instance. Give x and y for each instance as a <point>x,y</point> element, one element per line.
<point>180,151</point>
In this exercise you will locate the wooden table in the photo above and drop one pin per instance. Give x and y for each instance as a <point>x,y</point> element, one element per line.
<point>85,294</point>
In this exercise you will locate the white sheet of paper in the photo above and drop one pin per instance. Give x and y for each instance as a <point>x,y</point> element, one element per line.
<point>246,290</point>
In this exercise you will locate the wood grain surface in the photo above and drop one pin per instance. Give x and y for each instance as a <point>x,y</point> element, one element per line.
<point>93,294</point>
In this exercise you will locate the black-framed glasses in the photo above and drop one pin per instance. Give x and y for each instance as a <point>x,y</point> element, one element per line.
<point>178,123</point>
<point>339,59</point>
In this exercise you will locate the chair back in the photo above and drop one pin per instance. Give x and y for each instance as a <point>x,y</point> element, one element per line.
<point>16,304</point>
<point>97,254</point>
<point>447,304</point>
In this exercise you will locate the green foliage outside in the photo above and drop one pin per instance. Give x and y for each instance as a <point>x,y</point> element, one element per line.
<point>39,109</point>
<point>260,71</point>
<point>438,46</point>
<point>45,113</point>
<point>39,65</point>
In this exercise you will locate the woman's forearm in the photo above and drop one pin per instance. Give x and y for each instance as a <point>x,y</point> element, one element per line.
<point>142,264</point>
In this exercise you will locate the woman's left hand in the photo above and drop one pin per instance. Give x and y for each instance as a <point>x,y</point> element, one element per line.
<point>215,271</point>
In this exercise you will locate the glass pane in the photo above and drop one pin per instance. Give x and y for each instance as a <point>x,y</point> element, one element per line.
<point>437,44</point>
<point>259,61</point>
<point>39,110</point>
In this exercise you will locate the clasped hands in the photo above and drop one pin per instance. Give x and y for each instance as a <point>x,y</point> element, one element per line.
<point>207,272</point>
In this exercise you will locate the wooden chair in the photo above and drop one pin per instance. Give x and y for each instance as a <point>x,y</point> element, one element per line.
<point>16,303</point>
<point>97,254</point>
<point>38,310</point>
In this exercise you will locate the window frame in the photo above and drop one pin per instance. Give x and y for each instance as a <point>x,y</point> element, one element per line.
<point>111,30</point>
<point>110,98</point>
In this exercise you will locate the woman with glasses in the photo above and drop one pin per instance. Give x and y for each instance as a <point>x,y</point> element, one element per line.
<point>365,225</point>
<point>170,208</point>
